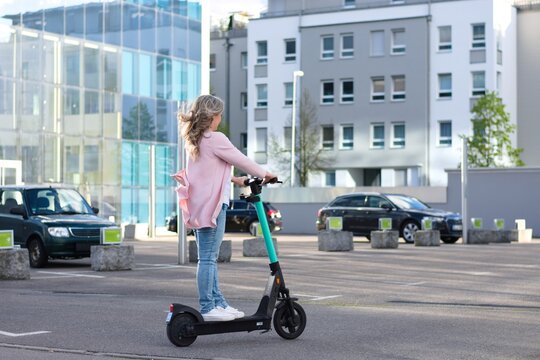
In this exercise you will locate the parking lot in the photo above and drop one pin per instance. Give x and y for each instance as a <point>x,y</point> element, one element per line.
<point>450,302</point>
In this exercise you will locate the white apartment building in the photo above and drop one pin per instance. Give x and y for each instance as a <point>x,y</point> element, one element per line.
<point>394,82</point>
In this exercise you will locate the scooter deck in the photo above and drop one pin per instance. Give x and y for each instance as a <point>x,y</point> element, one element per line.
<point>247,323</point>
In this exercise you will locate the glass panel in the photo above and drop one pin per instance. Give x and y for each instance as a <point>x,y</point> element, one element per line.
<point>143,159</point>
<point>31,159</point>
<point>91,102</point>
<point>54,20</point>
<point>8,145</point>
<point>30,106</point>
<point>30,58</point>
<point>328,44</point>
<point>164,33</point>
<point>71,101</point>
<point>7,54</point>
<point>6,105</point>
<point>164,78</point>
<point>111,119</point>
<point>194,37</point>
<point>145,75</point>
<point>378,85</point>
<point>111,162</point>
<point>180,40</point>
<point>129,164</point>
<point>48,60</point>
<point>130,118</point>
<point>75,21</point>
<point>147,119</point>
<point>261,139</point>
<point>445,34</point>
<point>164,120</point>
<point>113,23</point>
<point>179,80</point>
<point>51,158</point>
<point>49,114</point>
<point>72,64</point>
<point>33,20</point>
<point>91,161</point>
<point>128,73</point>
<point>94,21</point>
<point>110,71</point>
<point>91,68</point>
<point>148,29</point>
<point>193,81</point>
<point>130,26</point>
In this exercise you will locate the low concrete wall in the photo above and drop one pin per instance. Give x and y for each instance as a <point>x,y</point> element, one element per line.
<point>333,240</point>
<point>112,257</point>
<point>225,251</point>
<point>14,264</point>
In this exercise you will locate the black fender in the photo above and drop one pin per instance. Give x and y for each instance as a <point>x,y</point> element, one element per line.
<point>283,302</point>
<point>179,309</point>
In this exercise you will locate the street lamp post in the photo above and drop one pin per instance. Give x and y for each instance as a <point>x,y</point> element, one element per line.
<point>296,74</point>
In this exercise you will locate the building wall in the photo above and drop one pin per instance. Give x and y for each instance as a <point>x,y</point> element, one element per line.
<point>528,78</point>
<point>95,106</point>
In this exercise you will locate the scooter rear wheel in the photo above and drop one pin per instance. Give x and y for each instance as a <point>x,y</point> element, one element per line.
<point>178,326</point>
<point>290,326</point>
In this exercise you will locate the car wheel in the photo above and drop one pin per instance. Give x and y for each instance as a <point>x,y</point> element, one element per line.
<point>408,230</point>
<point>37,254</point>
<point>449,240</point>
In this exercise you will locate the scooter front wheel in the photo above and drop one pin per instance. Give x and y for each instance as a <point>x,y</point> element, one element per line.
<point>178,327</point>
<point>290,326</point>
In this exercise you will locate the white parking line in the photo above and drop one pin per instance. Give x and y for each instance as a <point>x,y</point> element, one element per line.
<point>65,274</point>
<point>23,334</point>
<point>317,298</point>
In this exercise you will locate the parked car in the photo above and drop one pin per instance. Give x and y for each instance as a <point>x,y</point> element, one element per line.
<point>52,222</point>
<point>361,212</point>
<point>241,216</point>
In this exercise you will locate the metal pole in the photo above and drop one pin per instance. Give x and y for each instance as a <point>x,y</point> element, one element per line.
<point>464,194</point>
<point>152,193</point>
<point>296,74</point>
<point>182,243</point>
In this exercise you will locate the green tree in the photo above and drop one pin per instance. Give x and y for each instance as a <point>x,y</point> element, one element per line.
<point>490,145</point>
<point>310,156</point>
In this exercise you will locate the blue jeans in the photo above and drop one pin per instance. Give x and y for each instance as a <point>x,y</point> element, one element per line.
<point>208,243</point>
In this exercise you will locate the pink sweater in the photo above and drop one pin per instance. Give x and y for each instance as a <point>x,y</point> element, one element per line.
<point>201,185</point>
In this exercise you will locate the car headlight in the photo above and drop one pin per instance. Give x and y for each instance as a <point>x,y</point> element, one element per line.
<point>435,219</point>
<point>58,231</point>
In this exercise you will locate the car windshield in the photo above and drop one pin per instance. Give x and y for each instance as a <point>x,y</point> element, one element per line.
<point>57,201</point>
<point>406,202</point>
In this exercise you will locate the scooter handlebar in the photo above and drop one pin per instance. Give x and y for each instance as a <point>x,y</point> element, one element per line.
<point>259,181</point>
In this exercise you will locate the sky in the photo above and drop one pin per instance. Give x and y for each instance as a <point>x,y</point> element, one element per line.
<point>218,8</point>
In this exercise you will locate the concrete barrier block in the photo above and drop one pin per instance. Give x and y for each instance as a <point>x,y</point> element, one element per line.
<point>504,236</point>
<point>256,247</point>
<point>525,235</point>
<point>14,264</point>
<point>480,236</point>
<point>386,239</point>
<point>427,238</point>
<point>225,251</point>
<point>334,240</point>
<point>112,257</point>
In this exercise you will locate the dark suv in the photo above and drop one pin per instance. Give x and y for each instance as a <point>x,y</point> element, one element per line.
<point>52,222</point>
<point>241,217</point>
<point>361,212</point>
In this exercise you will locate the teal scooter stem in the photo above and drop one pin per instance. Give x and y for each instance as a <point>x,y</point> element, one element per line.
<point>276,307</point>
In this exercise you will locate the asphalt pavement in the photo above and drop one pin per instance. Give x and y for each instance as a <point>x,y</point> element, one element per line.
<point>449,302</point>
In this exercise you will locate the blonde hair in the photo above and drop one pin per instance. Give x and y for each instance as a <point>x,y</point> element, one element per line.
<point>197,121</point>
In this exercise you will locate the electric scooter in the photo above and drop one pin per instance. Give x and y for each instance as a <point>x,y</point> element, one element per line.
<point>184,323</point>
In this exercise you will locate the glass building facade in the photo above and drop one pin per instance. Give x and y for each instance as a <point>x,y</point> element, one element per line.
<point>89,95</point>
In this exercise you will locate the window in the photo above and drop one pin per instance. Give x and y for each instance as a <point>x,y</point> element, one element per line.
<point>287,137</point>
<point>243,100</point>
<point>243,59</point>
<point>445,86</point>
<point>349,3</point>
<point>262,95</point>
<point>377,136</point>
<point>347,137</point>
<point>377,43</point>
<point>288,93</point>
<point>290,50</point>
<point>261,142</point>
<point>499,81</point>
<point>327,92</point>
<point>328,137</point>
<point>445,38</point>
<point>327,47</point>
<point>347,91</point>
<point>243,142</point>
<point>479,83</point>
<point>479,36</point>
<point>347,46</point>
<point>212,62</point>
<point>398,135</point>
<point>262,52</point>
<point>398,87</point>
<point>377,89</point>
<point>445,133</point>
<point>398,41</point>
<point>329,178</point>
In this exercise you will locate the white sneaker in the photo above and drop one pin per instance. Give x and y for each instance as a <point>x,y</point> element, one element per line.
<point>217,315</point>
<point>230,310</point>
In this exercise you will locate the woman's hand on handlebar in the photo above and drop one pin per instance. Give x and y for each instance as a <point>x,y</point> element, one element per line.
<point>269,178</point>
